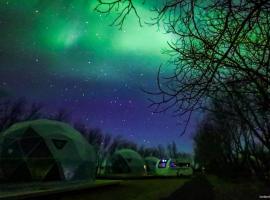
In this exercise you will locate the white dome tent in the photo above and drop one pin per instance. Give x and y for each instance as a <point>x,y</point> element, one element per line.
<point>151,163</point>
<point>45,150</point>
<point>127,161</point>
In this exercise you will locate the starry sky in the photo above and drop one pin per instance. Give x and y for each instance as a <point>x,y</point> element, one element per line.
<point>65,55</point>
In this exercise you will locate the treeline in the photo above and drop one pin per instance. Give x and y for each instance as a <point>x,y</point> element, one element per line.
<point>227,146</point>
<point>18,110</point>
<point>105,144</point>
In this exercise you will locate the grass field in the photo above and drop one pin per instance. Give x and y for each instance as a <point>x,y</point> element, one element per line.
<point>238,189</point>
<point>130,190</point>
<point>200,187</point>
<point>41,189</point>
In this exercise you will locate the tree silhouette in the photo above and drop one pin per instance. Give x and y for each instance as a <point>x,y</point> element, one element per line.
<point>224,145</point>
<point>13,111</point>
<point>220,52</point>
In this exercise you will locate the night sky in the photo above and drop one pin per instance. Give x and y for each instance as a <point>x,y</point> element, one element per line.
<point>65,55</point>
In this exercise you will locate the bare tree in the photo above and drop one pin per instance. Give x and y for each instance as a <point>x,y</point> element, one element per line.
<point>62,114</point>
<point>161,151</point>
<point>221,50</point>
<point>123,7</point>
<point>150,151</point>
<point>224,141</point>
<point>13,111</point>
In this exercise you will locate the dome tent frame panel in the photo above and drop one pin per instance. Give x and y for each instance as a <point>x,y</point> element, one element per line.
<point>75,160</point>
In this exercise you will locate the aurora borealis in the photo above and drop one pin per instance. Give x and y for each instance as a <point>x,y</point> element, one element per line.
<point>64,54</point>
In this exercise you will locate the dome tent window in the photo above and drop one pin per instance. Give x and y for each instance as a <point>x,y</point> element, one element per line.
<point>30,153</point>
<point>162,163</point>
<point>59,144</point>
<point>183,164</point>
<point>173,164</point>
<point>29,140</point>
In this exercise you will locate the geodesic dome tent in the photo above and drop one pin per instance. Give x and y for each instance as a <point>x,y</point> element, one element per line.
<point>45,150</point>
<point>127,161</point>
<point>151,163</point>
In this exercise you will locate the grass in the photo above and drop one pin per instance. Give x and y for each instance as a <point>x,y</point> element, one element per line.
<point>130,189</point>
<point>40,189</point>
<point>214,188</point>
<point>237,189</point>
<point>168,188</point>
<point>197,188</point>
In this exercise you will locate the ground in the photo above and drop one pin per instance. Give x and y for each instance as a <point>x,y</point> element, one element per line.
<point>199,187</point>
<point>214,188</point>
<point>150,189</point>
<point>238,189</point>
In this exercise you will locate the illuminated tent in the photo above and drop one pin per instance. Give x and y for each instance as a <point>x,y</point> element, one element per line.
<point>127,161</point>
<point>174,167</point>
<point>151,163</point>
<point>45,150</point>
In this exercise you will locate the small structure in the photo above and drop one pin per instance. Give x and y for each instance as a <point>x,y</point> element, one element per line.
<point>45,150</point>
<point>151,163</point>
<point>173,167</point>
<point>127,161</point>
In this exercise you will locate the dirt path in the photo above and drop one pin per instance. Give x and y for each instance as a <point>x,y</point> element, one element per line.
<point>197,188</point>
